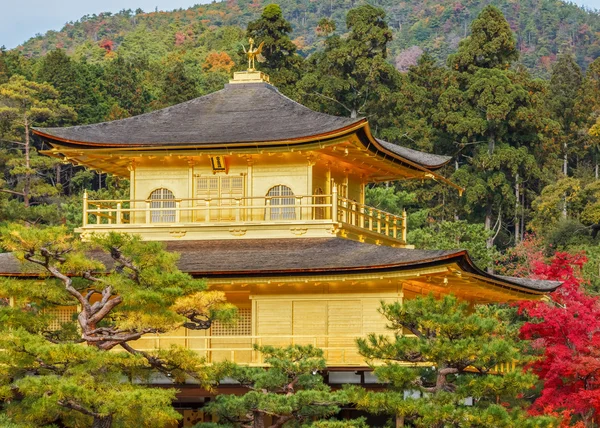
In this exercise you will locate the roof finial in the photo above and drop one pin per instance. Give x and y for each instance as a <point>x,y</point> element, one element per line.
<point>251,75</point>
<point>253,53</point>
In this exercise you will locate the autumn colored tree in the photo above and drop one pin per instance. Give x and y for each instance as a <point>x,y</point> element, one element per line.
<point>218,62</point>
<point>142,293</point>
<point>564,333</point>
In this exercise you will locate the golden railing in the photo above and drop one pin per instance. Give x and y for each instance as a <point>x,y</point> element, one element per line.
<point>263,210</point>
<point>338,350</point>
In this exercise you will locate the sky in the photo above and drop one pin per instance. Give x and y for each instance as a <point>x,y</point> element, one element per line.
<point>22,19</point>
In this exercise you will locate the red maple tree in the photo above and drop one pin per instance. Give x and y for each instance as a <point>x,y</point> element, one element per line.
<point>566,332</point>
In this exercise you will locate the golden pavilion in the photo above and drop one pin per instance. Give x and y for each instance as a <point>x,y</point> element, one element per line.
<point>265,198</point>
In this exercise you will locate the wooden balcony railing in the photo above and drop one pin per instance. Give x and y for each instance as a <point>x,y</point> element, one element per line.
<point>263,210</point>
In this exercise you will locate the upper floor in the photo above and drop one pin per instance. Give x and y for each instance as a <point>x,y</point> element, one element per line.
<point>270,195</point>
<point>244,162</point>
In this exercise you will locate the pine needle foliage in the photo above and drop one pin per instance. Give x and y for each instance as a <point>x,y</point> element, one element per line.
<point>443,356</point>
<point>123,289</point>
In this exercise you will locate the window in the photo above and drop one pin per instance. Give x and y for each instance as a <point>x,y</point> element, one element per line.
<point>243,326</point>
<point>281,200</point>
<point>161,200</point>
<point>222,192</point>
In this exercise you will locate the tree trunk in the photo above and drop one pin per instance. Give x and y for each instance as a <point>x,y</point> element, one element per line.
<point>491,144</point>
<point>27,185</point>
<point>102,421</point>
<point>58,174</point>
<point>489,243</point>
<point>399,421</point>
<point>488,224</point>
<point>522,214</point>
<point>565,172</point>
<point>259,420</point>
<point>517,202</point>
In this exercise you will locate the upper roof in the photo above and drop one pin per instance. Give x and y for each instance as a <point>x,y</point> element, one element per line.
<point>240,115</point>
<point>306,257</point>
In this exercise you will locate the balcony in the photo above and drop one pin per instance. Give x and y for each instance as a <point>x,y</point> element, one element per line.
<point>247,217</point>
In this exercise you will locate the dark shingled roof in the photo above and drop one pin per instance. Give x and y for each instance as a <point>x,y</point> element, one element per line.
<point>240,113</point>
<point>428,160</point>
<point>306,256</point>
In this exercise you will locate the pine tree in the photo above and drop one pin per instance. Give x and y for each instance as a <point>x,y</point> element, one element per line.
<point>24,104</point>
<point>290,390</point>
<point>440,365</point>
<point>142,293</point>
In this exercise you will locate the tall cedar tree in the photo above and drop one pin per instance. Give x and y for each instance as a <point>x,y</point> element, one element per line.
<point>565,332</point>
<point>177,86</point>
<point>588,108</point>
<point>351,77</point>
<point>290,391</point>
<point>491,112</point>
<point>142,292</point>
<point>77,83</point>
<point>443,354</point>
<point>281,61</point>
<point>565,84</point>
<point>124,86</point>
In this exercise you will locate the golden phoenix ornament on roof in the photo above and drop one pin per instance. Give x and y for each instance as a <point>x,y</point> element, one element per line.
<point>253,53</point>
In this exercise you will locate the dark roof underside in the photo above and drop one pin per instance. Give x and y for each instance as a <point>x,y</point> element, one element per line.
<point>258,257</point>
<point>240,113</point>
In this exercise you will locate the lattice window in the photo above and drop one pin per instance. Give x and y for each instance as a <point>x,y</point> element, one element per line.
<point>243,327</point>
<point>61,315</point>
<point>207,187</point>
<point>162,198</point>
<point>281,195</point>
<point>223,192</point>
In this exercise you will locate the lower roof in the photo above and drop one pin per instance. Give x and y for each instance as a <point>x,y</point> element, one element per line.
<point>306,256</point>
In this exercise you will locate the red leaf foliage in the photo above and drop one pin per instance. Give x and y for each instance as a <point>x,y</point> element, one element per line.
<point>566,331</point>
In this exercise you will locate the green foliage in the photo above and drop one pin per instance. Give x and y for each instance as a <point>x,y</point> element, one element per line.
<point>443,353</point>
<point>77,385</point>
<point>281,61</point>
<point>490,45</point>
<point>351,76</point>
<point>291,389</point>
<point>143,292</point>
<point>23,104</point>
<point>453,235</point>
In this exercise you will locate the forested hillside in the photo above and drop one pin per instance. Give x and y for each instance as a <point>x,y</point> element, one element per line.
<point>543,28</point>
